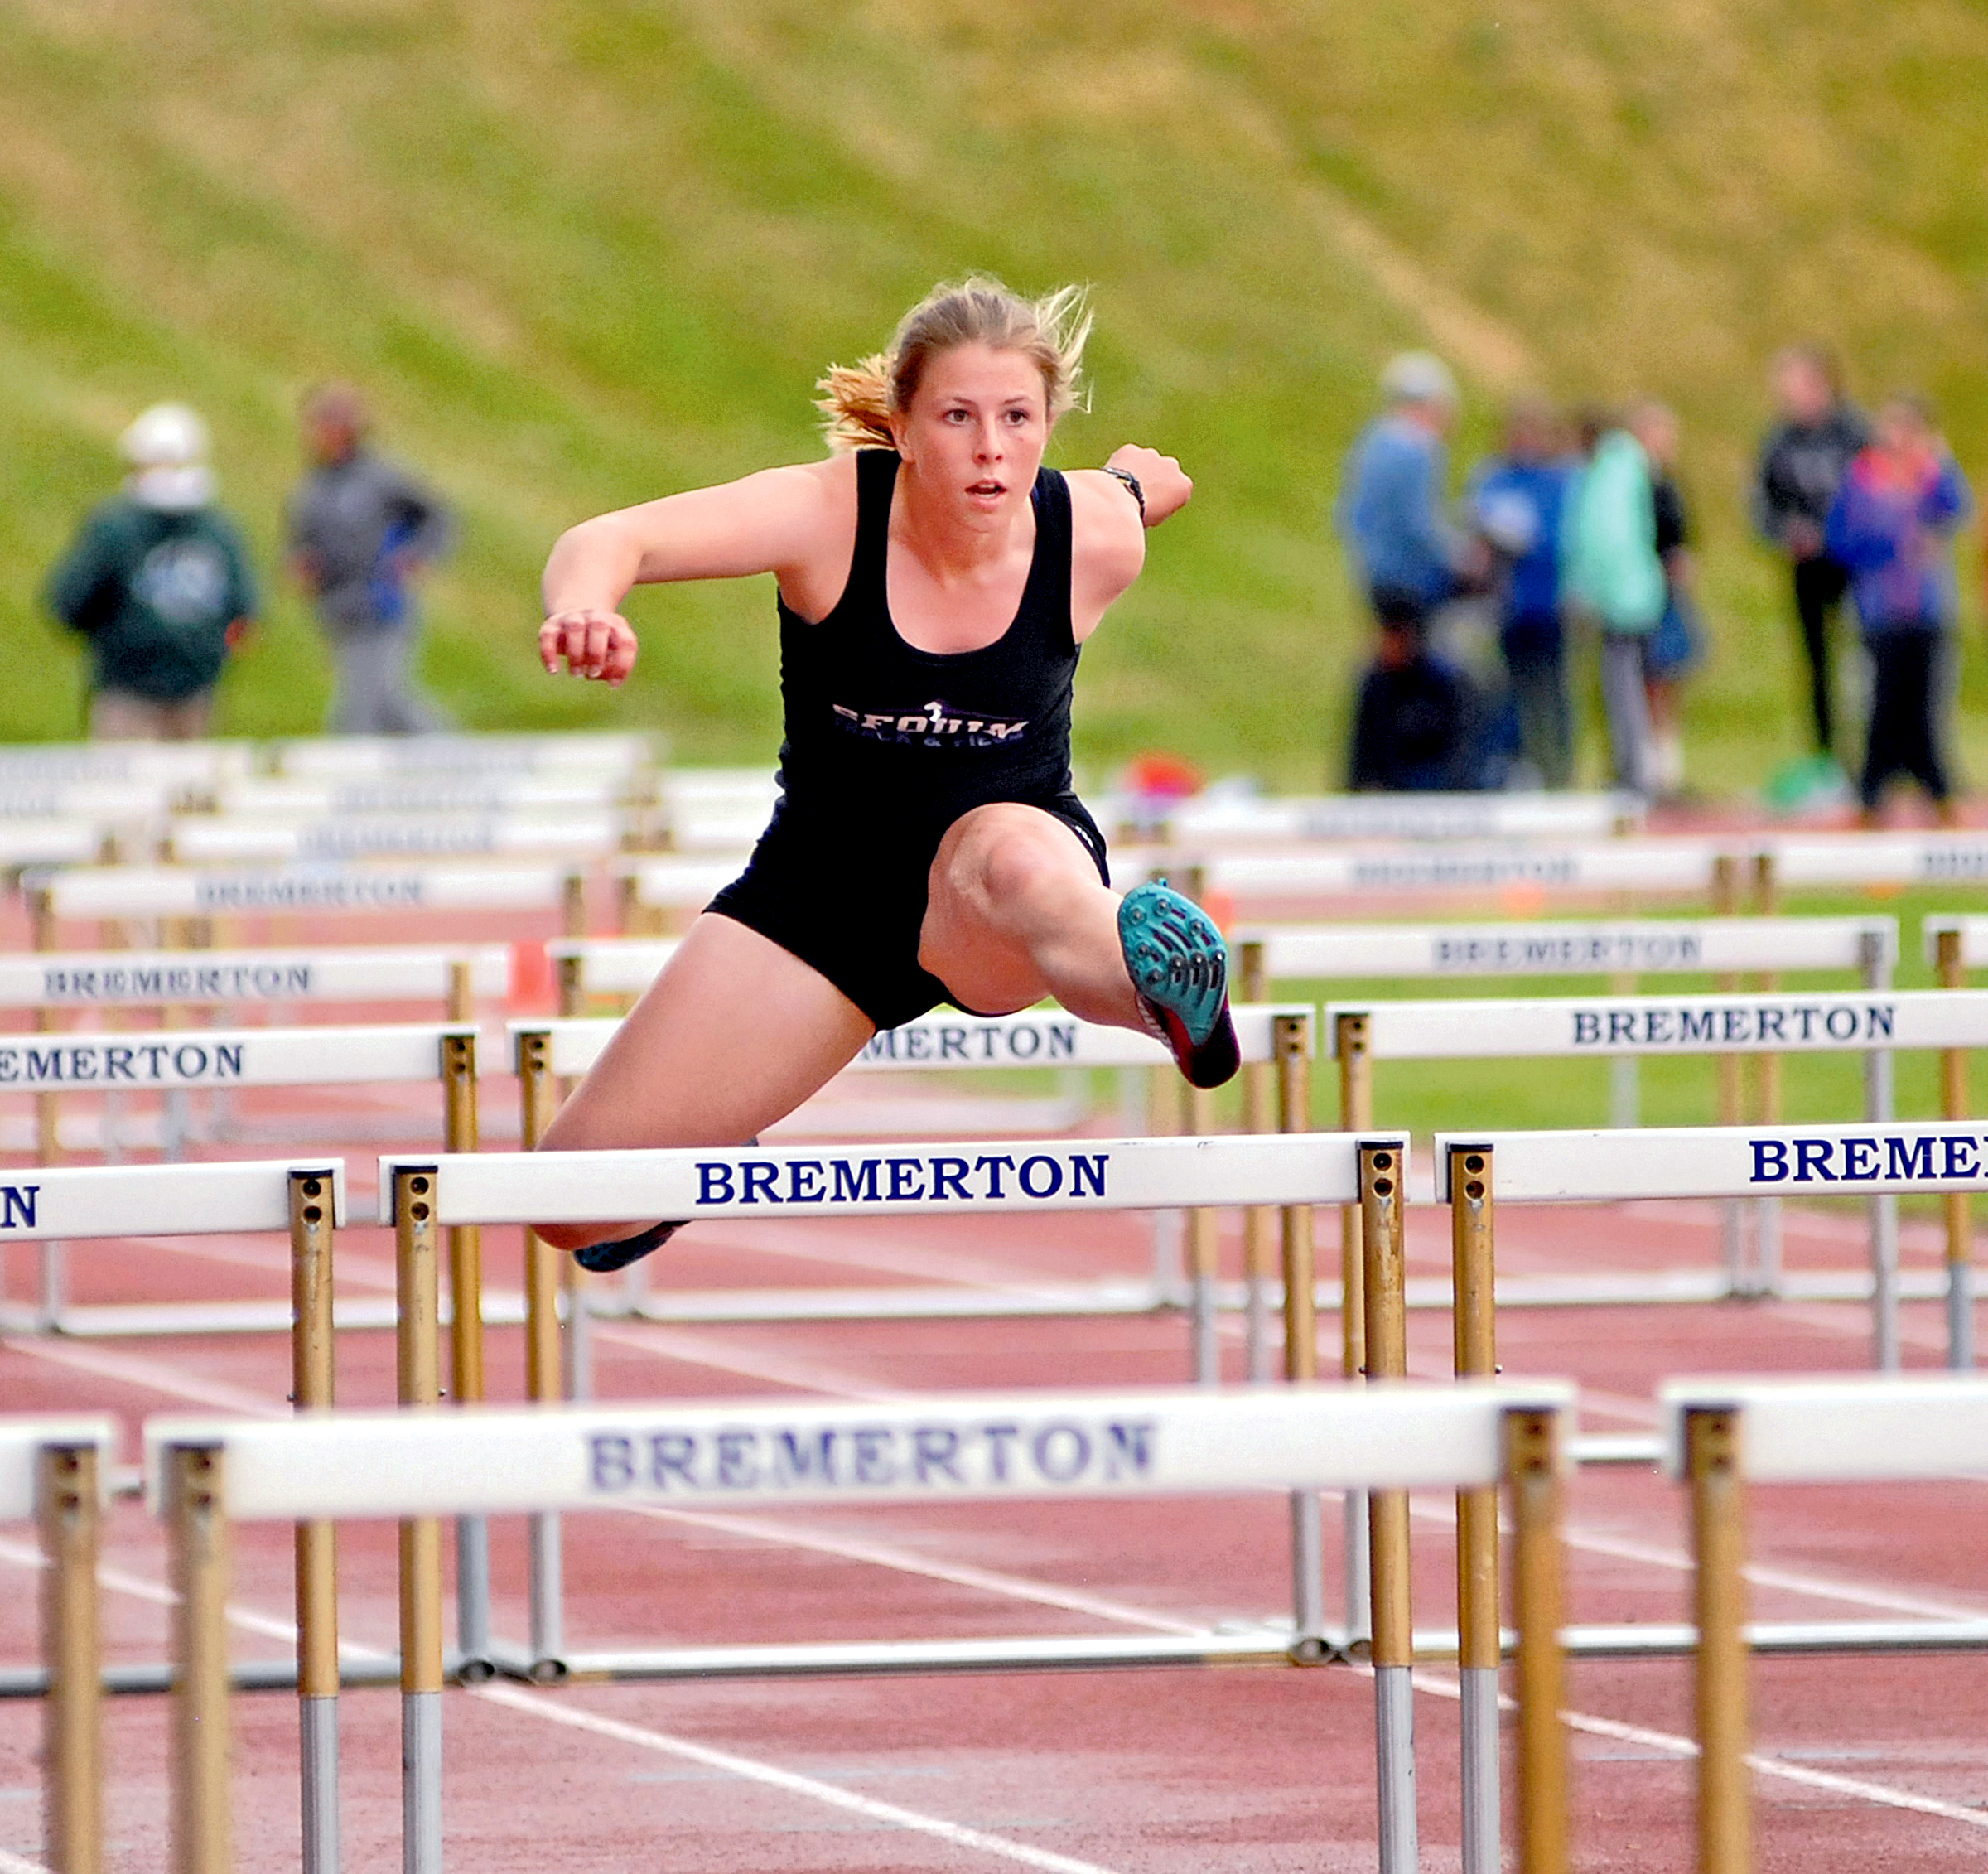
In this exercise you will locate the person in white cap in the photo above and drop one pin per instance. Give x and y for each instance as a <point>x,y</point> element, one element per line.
<point>158,582</point>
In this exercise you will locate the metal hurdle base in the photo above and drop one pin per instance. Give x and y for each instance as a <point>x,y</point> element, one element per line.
<point>107,1322</point>
<point>1241,1645</point>
<point>693,1307</point>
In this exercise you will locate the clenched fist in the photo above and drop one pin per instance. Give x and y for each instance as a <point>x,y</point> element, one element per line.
<point>600,645</point>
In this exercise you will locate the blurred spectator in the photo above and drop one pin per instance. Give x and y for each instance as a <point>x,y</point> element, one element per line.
<point>1612,573</point>
<point>1416,725</point>
<point>157,581</point>
<point>1416,718</point>
<point>361,528</point>
<point>1390,513</point>
<point>1891,525</point>
<point>1517,503</point>
<point>1801,463</point>
<point>1677,647</point>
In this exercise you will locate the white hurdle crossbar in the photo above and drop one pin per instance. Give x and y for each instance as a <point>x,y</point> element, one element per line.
<point>963,1447</point>
<point>1476,816</point>
<point>575,835</point>
<point>1669,867</point>
<point>1873,1022</point>
<point>1573,947</point>
<point>56,1470</point>
<point>1820,861</point>
<point>948,1040</point>
<point>152,891</point>
<point>164,1060</point>
<point>271,979</point>
<point>364,757</point>
<point>1721,1435</point>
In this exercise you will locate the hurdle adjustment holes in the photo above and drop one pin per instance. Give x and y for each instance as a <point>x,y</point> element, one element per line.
<point>1383,1160</point>
<point>1473,1191</point>
<point>313,1215</point>
<point>420,1213</point>
<point>1383,1187</point>
<point>417,1184</point>
<point>314,1187</point>
<point>1475,1162</point>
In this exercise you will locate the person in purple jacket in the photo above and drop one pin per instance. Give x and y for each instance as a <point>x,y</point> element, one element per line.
<point>1892,526</point>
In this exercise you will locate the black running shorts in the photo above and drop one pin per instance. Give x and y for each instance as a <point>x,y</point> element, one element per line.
<point>853,907</point>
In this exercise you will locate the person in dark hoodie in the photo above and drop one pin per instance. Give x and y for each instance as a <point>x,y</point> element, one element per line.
<point>1803,460</point>
<point>157,581</point>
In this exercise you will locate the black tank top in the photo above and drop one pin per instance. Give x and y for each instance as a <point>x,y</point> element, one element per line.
<point>880,735</point>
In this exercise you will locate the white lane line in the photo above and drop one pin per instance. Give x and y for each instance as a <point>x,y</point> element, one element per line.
<point>154,1376</point>
<point>960,1574</point>
<point>748,1362</point>
<point>1624,1548</point>
<point>1881,1793</point>
<point>537,1704</point>
<point>16,1864</point>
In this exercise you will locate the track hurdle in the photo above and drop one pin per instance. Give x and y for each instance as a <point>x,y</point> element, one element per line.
<point>127,892</point>
<point>1623,949</point>
<point>1884,1158</point>
<point>1873,1024</point>
<point>1954,945</point>
<point>653,893</point>
<point>578,835</point>
<point>1885,861</point>
<point>1274,1037</point>
<point>182,1059</point>
<point>364,757</point>
<point>1721,1435</point>
<point>272,982</point>
<point>204,1474</point>
<point>27,843</point>
<point>1669,866</point>
<point>305,797</point>
<point>178,767</point>
<point>55,1472</point>
<point>1291,1171</point>
<point>1456,817</point>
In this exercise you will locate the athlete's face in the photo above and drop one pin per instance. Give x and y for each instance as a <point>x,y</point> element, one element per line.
<point>976,428</point>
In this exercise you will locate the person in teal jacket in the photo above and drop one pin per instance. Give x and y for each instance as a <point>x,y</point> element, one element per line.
<point>1610,571</point>
<point>157,581</point>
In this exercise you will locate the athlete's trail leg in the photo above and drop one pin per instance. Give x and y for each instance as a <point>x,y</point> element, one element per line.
<point>732,1036</point>
<point>1016,912</point>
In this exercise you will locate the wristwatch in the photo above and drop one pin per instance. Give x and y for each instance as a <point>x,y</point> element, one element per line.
<point>1132,482</point>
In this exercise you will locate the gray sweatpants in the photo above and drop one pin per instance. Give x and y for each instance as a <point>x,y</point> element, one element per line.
<point>1628,704</point>
<point>373,694</point>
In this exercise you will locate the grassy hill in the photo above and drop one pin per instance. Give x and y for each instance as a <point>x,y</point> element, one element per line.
<point>587,251</point>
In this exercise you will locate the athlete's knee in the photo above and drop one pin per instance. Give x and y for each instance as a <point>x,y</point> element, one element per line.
<point>1014,865</point>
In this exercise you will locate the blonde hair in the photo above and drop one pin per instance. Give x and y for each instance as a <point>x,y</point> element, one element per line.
<point>859,400</point>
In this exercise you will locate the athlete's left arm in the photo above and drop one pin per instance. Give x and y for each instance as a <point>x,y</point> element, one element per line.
<point>1107,544</point>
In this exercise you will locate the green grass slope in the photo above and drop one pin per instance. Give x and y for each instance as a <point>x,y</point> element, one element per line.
<point>587,251</point>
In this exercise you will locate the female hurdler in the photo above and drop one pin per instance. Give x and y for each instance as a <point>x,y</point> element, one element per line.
<point>936,582</point>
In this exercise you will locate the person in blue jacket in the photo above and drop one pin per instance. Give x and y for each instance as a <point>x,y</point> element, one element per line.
<point>1892,524</point>
<point>1415,717</point>
<point>1518,501</point>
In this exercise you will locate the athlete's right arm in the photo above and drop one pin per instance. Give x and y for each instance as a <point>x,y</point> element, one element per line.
<point>782,521</point>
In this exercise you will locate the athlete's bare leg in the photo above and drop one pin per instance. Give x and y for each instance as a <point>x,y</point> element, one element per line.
<point>1016,913</point>
<point>732,1036</point>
